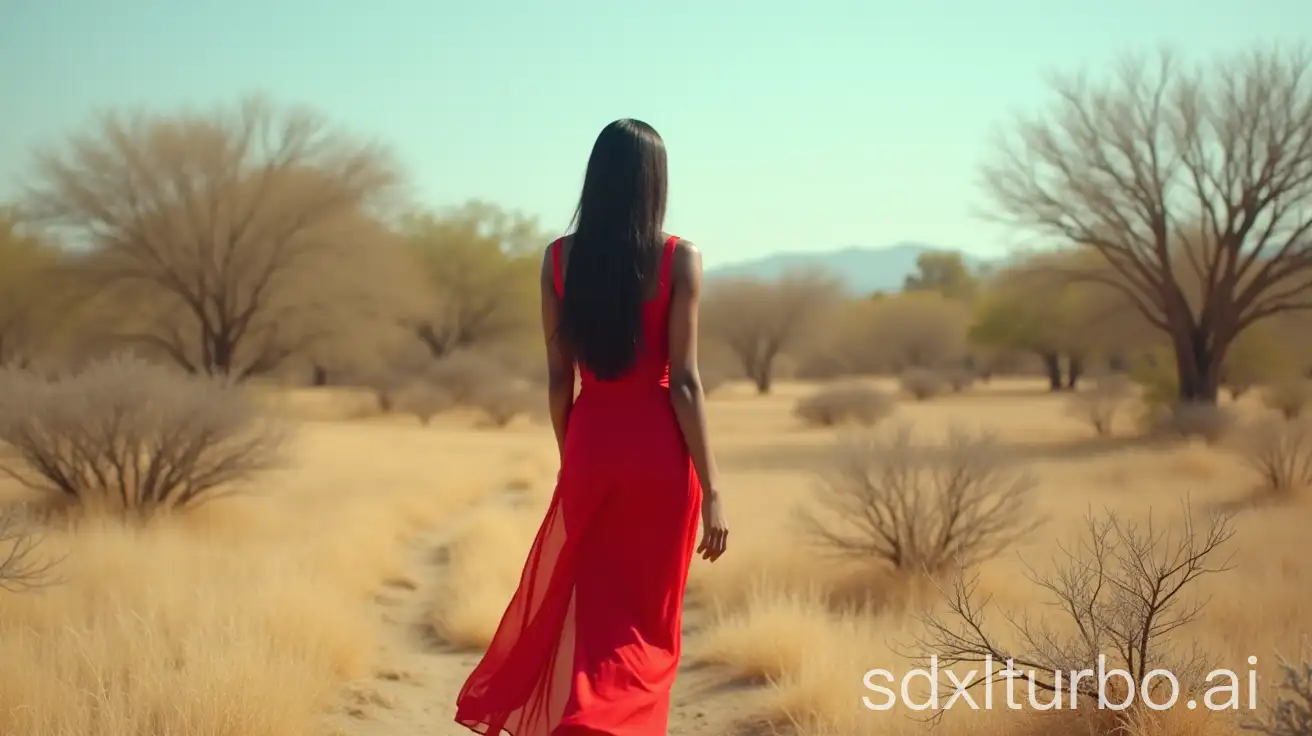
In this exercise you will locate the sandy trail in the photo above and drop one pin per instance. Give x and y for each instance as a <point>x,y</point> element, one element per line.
<point>414,687</point>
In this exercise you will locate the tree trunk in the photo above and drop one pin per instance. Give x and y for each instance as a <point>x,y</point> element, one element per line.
<point>1198,366</point>
<point>319,376</point>
<point>1052,366</point>
<point>1075,369</point>
<point>761,377</point>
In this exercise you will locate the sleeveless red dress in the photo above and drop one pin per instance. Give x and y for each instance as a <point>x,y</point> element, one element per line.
<point>590,642</point>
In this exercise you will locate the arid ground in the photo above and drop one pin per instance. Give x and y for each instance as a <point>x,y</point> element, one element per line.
<point>349,592</point>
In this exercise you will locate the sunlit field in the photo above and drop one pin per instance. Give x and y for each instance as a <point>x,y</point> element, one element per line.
<point>349,590</point>
<point>273,442</point>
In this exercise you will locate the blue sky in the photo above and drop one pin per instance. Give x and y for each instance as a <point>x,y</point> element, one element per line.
<point>790,125</point>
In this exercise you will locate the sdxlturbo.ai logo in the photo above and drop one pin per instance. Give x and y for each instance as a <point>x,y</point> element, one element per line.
<point>1112,689</point>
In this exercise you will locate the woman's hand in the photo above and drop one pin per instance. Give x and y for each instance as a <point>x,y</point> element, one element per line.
<point>715,530</point>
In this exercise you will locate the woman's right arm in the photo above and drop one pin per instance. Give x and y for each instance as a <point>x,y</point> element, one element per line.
<point>560,361</point>
<point>687,396</point>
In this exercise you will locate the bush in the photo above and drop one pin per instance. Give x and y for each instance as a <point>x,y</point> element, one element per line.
<point>501,403</point>
<point>922,384</point>
<point>922,507</point>
<point>1289,397</point>
<point>465,374</point>
<point>20,566</point>
<point>1280,452</point>
<point>1124,590</point>
<point>841,404</point>
<point>1192,419</point>
<point>1291,714</point>
<point>959,379</point>
<point>1100,404</point>
<point>423,400</point>
<point>130,436</point>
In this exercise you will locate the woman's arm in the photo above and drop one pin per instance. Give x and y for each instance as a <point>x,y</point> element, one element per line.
<point>560,361</point>
<point>687,396</point>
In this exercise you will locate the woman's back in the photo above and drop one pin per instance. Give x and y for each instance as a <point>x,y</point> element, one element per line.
<point>651,363</point>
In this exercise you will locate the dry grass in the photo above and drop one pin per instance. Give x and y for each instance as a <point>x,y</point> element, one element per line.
<point>252,615</point>
<point>245,617</point>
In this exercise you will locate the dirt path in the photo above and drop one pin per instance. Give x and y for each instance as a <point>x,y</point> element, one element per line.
<point>414,687</point>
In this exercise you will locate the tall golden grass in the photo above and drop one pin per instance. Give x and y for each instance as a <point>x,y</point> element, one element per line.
<point>253,615</point>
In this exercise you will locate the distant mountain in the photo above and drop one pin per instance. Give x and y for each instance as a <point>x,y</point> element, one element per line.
<point>863,269</point>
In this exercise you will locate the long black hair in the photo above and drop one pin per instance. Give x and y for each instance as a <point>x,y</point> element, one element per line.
<point>617,231</point>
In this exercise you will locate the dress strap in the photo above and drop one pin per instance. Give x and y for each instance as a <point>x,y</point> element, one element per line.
<point>557,275</point>
<point>666,275</point>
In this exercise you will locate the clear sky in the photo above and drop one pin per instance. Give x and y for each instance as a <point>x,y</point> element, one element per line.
<point>790,125</point>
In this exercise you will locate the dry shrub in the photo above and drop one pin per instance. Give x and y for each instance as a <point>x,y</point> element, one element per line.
<point>21,565</point>
<point>465,374</point>
<point>959,379</point>
<point>131,436</point>
<point>1100,405</point>
<point>1124,595</point>
<point>1291,714</point>
<point>1289,397</point>
<point>845,403</point>
<point>922,507</point>
<point>922,383</point>
<point>423,400</point>
<point>1280,452</point>
<point>1201,419</point>
<point>502,403</point>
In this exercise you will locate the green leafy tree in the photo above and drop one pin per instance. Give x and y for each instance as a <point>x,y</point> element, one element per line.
<point>944,272</point>
<point>481,267</point>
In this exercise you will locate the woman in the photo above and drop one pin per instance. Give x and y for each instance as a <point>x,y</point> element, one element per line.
<point>590,642</point>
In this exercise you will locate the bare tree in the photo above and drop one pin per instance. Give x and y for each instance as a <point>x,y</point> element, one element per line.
<point>761,320</point>
<point>1194,185</point>
<point>481,265</point>
<point>238,235</point>
<point>1124,592</point>
<point>921,507</point>
<point>915,330</point>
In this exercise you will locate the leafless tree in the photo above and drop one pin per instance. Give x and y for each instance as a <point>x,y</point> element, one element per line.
<point>915,330</point>
<point>760,320</point>
<point>1123,592</point>
<point>127,436</point>
<point>921,507</point>
<point>1194,185</point>
<point>238,235</point>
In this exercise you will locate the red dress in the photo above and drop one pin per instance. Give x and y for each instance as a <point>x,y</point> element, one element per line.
<point>590,642</point>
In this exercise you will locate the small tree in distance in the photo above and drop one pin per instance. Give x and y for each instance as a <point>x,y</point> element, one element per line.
<point>761,320</point>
